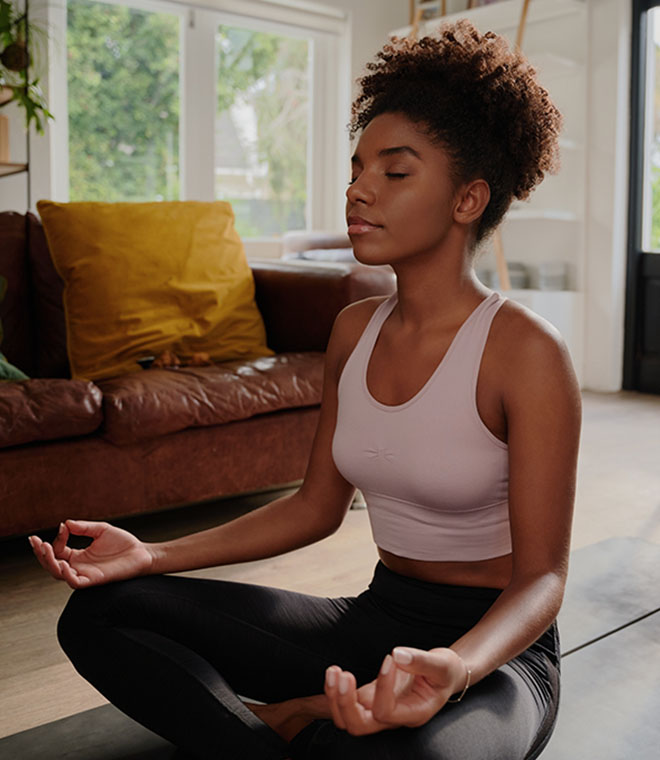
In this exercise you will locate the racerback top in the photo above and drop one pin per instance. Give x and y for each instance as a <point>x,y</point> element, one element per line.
<point>434,478</point>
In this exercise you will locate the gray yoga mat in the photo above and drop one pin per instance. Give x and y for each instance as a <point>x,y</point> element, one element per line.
<point>610,705</point>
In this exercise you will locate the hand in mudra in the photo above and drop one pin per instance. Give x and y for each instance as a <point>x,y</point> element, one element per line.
<point>113,555</point>
<point>408,691</point>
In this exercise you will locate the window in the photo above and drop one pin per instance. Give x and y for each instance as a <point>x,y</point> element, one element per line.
<point>123,96</point>
<point>167,102</point>
<point>262,126</point>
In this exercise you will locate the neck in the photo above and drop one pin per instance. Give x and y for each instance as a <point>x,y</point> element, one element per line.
<point>441,287</point>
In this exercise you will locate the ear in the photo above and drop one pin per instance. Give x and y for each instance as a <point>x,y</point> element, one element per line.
<point>472,201</point>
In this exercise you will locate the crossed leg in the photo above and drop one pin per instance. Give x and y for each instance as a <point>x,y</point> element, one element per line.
<point>174,653</point>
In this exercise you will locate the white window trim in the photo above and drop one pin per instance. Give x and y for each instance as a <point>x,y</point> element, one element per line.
<point>328,156</point>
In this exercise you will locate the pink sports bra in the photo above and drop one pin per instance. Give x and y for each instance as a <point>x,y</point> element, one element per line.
<point>434,478</point>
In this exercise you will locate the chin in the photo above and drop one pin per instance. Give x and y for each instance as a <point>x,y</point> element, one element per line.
<point>368,253</point>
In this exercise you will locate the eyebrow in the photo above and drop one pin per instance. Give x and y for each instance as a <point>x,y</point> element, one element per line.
<point>391,152</point>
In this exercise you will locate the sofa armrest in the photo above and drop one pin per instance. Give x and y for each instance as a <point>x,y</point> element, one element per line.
<point>299,300</point>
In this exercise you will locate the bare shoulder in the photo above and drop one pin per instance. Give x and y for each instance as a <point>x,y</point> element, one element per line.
<point>515,322</point>
<point>528,355</point>
<point>349,326</point>
<point>356,315</point>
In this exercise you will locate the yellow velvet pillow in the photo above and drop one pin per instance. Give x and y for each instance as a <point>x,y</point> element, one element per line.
<point>142,278</point>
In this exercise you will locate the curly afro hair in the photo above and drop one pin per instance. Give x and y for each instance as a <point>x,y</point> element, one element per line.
<point>477,98</point>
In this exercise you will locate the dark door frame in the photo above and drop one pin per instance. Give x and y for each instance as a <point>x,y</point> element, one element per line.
<point>636,255</point>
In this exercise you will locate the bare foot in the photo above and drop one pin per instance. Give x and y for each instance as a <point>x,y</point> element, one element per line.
<point>281,718</point>
<point>289,718</point>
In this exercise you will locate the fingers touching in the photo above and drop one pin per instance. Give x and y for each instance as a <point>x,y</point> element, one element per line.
<point>62,551</point>
<point>436,666</point>
<point>89,528</point>
<point>411,687</point>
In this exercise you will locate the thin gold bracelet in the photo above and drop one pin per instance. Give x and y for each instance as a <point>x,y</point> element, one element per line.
<point>465,688</point>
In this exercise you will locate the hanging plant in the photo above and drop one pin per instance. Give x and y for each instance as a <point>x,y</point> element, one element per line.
<point>16,83</point>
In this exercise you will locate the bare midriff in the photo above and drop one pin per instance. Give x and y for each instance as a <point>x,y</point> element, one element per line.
<point>489,573</point>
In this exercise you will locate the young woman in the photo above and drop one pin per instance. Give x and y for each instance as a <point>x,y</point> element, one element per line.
<point>457,414</point>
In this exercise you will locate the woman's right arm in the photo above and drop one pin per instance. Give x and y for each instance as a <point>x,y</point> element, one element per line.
<point>313,512</point>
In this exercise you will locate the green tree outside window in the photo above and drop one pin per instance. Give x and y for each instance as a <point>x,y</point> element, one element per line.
<point>123,82</point>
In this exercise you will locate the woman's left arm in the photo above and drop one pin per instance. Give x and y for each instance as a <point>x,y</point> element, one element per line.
<point>541,400</point>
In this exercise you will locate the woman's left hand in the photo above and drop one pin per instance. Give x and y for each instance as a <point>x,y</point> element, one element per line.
<point>412,686</point>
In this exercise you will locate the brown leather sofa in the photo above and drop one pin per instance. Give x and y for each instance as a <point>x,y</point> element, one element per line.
<point>157,438</point>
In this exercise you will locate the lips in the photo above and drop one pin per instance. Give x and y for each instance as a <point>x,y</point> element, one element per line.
<point>357,225</point>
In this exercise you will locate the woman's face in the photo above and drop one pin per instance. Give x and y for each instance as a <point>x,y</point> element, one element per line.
<point>401,198</point>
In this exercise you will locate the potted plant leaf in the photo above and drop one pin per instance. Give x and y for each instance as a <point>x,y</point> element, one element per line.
<point>17,83</point>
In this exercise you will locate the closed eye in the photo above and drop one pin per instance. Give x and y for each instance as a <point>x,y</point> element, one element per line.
<point>390,175</point>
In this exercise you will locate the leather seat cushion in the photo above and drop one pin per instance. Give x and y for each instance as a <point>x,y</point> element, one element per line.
<point>43,410</point>
<point>158,401</point>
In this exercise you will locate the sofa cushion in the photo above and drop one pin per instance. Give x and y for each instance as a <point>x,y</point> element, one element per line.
<point>143,278</point>
<point>158,401</point>
<point>15,309</point>
<point>42,410</point>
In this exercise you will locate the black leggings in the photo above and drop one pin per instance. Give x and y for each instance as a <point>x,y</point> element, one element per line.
<point>174,653</point>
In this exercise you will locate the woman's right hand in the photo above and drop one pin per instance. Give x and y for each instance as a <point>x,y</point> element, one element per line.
<point>113,555</point>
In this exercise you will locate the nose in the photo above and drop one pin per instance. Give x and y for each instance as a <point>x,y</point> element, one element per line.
<point>360,190</point>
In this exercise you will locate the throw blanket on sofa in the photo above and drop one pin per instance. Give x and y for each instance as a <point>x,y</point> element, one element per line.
<point>7,370</point>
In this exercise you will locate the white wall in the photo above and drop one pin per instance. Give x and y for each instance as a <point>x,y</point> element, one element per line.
<point>372,20</point>
<point>609,27</point>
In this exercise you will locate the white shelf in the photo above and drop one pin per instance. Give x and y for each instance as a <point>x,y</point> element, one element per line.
<point>8,168</point>
<point>502,16</point>
<point>566,143</point>
<point>529,294</point>
<point>535,215</point>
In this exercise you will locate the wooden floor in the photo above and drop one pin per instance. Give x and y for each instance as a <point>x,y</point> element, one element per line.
<point>618,496</point>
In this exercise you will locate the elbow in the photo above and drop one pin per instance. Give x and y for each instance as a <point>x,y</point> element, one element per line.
<point>546,588</point>
<point>329,525</point>
<point>315,527</point>
<point>321,516</point>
